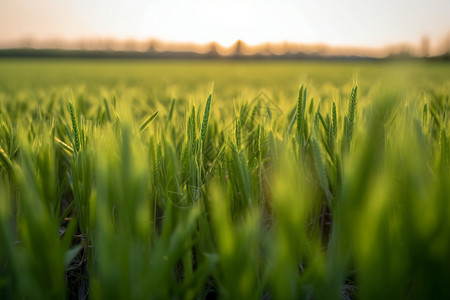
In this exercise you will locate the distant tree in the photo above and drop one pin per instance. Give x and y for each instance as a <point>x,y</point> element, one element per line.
<point>447,43</point>
<point>425,46</point>
<point>151,46</point>
<point>212,49</point>
<point>239,48</point>
<point>130,45</point>
<point>265,49</point>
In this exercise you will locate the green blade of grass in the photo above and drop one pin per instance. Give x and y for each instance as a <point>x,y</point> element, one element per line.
<point>147,121</point>
<point>5,161</point>
<point>205,118</point>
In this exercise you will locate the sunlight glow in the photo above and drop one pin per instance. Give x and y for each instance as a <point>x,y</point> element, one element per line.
<point>346,22</point>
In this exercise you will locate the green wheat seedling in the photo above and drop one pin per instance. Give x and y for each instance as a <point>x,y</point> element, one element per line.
<point>301,122</point>
<point>349,119</point>
<point>36,223</point>
<point>171,111</point>
<point>107,110</point>
<point>5,161</point>
<point>445,150</point>
<point>321,171</point>
<point>238,133</point>
<point>334,126</point>
<point>64,146</point>
<point>81,176</point>
<point>147,121</point>
<point>425,115</point>
<point>75,131</point>
<point>205,118</point>
<point>8,142</point>
<point>351,111</point>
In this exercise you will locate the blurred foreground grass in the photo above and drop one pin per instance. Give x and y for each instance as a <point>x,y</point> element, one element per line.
<point>126,179</point>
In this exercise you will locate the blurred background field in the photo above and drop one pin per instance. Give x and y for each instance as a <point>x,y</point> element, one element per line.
<point>162,79</point>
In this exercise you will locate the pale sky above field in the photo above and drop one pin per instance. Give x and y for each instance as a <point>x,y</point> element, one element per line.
<point>339,23</point>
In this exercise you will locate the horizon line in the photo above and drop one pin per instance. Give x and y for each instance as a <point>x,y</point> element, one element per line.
<point>423,49</point>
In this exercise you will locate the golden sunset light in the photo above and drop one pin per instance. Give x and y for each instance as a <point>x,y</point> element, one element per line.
<point>336,23</point>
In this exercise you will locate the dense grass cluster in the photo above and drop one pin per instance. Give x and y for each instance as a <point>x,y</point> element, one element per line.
<point>331,192</point>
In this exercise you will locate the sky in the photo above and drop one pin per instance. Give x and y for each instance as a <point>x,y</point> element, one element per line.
<point>357,23</point>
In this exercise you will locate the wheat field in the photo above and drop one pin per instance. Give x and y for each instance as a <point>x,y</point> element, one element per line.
<point>224,179</point>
